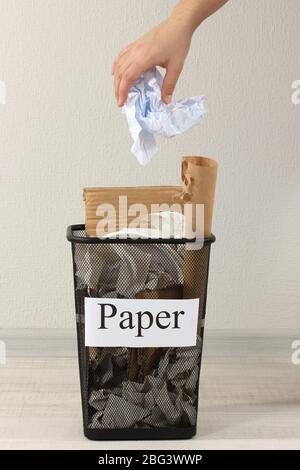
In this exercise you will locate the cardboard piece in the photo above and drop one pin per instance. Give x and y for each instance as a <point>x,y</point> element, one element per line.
<point>146,195</point>
<point>198,176</point>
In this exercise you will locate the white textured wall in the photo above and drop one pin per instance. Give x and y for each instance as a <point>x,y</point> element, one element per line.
<point>60,130</point>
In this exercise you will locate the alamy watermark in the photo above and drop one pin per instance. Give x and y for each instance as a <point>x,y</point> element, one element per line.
<point>2,92</point>
<point>2,353</point>
<point>295,97</point>
<point>154,221</point>
<point>295,358</point>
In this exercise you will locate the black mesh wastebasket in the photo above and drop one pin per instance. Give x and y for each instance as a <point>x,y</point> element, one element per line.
<point>135,392</point>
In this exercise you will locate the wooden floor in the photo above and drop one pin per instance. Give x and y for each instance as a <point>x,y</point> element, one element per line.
<point>245,403</point>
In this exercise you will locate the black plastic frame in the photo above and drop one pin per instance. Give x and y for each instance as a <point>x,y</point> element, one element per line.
<point>139,434</point>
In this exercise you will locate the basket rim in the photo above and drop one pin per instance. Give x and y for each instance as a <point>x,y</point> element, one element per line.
<point>95,240</point>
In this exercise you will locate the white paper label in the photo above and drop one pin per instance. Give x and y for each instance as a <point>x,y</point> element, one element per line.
<point>139,323</point>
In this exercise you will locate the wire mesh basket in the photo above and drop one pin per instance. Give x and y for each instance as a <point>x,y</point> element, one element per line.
<point>139,392</point>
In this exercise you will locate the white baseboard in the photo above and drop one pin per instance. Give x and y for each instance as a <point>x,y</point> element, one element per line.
<point>221,343</point>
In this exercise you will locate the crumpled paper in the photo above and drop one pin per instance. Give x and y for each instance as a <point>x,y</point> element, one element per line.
<point>147,115</point>
<point>167,396</point>
<point>164,224</point>
<point>124,270</point>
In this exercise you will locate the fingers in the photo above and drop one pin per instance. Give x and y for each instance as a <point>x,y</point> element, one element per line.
<point>122,76</point>
<point>121,55</point>
<point>170,80</point>
<point>118,74</point>
<point>126,69</point>
<point>117,81</point>
<point>128,77</point>
<point>126,82</point>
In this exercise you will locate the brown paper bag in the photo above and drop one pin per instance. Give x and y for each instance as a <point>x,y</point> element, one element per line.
<point>199,176</point>
<point>146,359</point>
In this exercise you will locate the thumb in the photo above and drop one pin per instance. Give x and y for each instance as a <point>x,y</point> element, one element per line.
<point>170,80</point>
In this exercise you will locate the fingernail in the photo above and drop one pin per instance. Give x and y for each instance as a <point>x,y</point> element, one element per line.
<point>168,99</point>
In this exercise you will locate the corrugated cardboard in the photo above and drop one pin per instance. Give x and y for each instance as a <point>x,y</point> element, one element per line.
<point>198,178</point>
<point>146,195</point>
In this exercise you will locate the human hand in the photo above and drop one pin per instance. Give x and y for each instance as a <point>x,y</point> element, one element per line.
<point>166,45</point>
